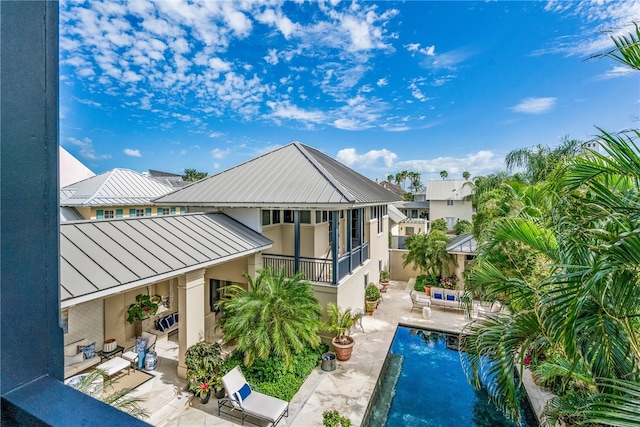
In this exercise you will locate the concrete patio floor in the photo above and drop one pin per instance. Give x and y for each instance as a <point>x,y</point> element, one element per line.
<point>347,389</point>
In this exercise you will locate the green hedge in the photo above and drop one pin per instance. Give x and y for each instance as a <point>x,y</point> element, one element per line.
<point>271,376</point>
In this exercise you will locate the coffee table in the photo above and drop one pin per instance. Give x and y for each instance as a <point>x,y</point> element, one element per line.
<point>115,365</point>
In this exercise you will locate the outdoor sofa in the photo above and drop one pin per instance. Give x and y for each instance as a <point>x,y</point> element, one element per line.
<point>447,298</point>
<point>78,356</point>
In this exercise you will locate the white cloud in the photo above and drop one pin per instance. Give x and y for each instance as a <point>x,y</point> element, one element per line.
<point>215,134</point>
<point>481,163</point>
<point>534,105</point>
<point>86,149</point>
<point>132,152</point>
<point>382,82</point>
<point>272,57</point>
<point>372,158</point>
<point>617,71</point>
<point>217,153</point>
<point>285,110</point>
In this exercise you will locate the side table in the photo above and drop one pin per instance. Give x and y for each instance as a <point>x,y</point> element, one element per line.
<point>106,355</point>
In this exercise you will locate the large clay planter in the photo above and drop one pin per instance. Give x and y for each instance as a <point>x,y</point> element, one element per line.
<point>370,307</point>
<point>384,284</point>
<point>343,351</point>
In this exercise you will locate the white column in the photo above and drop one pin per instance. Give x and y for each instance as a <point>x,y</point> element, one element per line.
<point>460,269</point>
<point>191,311</point>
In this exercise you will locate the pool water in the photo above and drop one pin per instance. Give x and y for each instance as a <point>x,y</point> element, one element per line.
<point>422,384</point>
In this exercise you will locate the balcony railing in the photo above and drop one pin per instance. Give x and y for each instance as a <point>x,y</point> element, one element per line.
<point>317,269</point>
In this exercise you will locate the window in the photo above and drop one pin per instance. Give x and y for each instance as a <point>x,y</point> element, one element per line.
<point>266,216</point>
<point>109,214</point>
<point>164,211</point>
<point>275,217</point>
<point>214,294</point>
<point>147,212</point>
<point>305,217</point>
<point>451,221</point>
<point>410,231</point>
<point>139,212</point>
<point>414,213</point>
<point>325,216</point>
<point>318,217</point>
<point>288,217</point>
<point>449,202</point>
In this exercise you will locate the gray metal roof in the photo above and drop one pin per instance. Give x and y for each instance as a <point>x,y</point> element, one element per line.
<point>117,187</point>
<point>70,214</point>
<point>395,215</point>
<point>448,190</point>
<point>99,258</point>
<point>414,205</point>
<point>294,175</point>
<point>462,244</point>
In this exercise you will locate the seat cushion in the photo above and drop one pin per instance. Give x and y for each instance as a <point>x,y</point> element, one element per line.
<point>266,407</point>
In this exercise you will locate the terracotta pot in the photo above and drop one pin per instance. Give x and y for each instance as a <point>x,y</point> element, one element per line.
<point>370,307</point>
<point>427,290</point>
<point>343,351</point>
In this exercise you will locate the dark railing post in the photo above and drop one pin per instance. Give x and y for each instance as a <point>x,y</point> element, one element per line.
<point>350,238</point>
<point>296,241</point>
<point>335,218</point>
<point>361,232</point>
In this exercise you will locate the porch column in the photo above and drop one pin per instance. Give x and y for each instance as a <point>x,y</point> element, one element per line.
<point>335,220</point>
<point>296,241</point>
<point>254,264</point>
<point>191,310</point>
<point>350,238</point>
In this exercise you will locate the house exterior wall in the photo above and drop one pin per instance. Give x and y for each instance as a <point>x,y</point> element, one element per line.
<point>86,321</point>
<point>92,212</point>
<point>461,210</point>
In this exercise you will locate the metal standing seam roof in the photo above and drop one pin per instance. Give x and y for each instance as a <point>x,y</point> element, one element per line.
<point>395,215</point>
<point>448,190</point>
<point>462,244</point>
<point>292,175</point>
<point>117,187</point>
<point>100,258</point>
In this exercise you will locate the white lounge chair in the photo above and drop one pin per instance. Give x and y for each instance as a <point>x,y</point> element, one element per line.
<point>419,301</point>
<point>242,397</point>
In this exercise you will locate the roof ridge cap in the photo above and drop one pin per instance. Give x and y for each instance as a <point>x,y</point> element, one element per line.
<point>339,188</point>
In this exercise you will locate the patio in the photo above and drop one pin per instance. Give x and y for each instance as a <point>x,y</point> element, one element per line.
<point>347,389</point>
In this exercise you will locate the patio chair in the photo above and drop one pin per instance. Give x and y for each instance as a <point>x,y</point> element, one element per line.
<point>133,353</point>
<point>249,402</point>
<point>419,301</point>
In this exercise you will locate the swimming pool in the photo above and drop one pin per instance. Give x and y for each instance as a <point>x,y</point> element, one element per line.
<point>422,384</point>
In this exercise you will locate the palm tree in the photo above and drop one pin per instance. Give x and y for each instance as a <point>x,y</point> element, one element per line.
<point>193,175</point>
<point>119,399</point>
<point>277,314</point>
<point>428,253</point>
<point>414,181</point>
<point>466,175</point>
<point>444,174</point>
<point>540,161</point>
<point>400,178</point>
<point>390,178</point>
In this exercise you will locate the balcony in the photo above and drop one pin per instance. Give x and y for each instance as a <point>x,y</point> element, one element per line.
<point>318,269</point>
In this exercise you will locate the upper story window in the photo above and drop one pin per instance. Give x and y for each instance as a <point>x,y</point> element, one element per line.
<point>266,217</point>
<point>138,212</point>
<point>164,211</point>
<point>275,217</point>
<point>449,202</point>
<point>305,217</point>
<point>108,214</point>
<point>288,217</point>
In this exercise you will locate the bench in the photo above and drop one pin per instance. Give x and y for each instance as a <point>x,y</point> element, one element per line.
<point>115,365</point>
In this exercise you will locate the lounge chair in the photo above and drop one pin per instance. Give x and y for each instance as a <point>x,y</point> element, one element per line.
<point>495,310</point>
<point>419,301</point>
<point>249,402</point>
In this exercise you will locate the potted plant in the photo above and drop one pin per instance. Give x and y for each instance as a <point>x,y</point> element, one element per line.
<point>424,282</point>
<point>340,323</point>
<point>141,310</point>
<point>371,296</point>
<point>334,419</point>
<point>384,279</point>
<point>204,369</point>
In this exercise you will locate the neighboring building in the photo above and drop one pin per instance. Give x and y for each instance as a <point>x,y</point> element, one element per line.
<point>117,193</point>
<point>172,179</point>
<point>392,187</point>
<point>415,209</point>
<point>449,199</point>
<point>402,227</point>
<point>294,207</point>
<point>71,170</point>
<point>464,248</point>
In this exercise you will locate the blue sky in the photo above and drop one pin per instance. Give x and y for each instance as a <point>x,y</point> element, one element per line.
<point>382,86</point>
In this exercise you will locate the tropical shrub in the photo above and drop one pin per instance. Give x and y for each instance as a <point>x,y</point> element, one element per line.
<point>372,293</point>
<point>462,227</point>
<point>439,224</point>
<point>277,314</point>
<point>142,309</point>
<point>425,280</point>
<point>334,419</point>
<point>204,367</point>
<point>340,322</point>
<point>271,376</point>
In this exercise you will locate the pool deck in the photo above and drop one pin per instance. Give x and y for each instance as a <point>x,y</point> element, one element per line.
<point>347,389</point>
